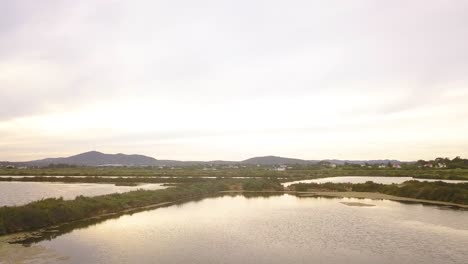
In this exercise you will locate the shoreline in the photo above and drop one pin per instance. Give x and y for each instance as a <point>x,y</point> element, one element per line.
<point>360,195</point>
<point>379,196</point>
<point>23,236</point>
<point>18,238</point>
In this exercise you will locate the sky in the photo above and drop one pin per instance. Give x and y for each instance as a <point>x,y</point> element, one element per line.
<point>217,79</point>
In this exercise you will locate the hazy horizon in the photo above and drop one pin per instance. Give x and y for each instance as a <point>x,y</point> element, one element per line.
<point>221,80</point>
<point>272,155</point>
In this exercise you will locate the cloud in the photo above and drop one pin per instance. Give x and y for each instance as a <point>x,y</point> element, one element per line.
<point>215,69</point>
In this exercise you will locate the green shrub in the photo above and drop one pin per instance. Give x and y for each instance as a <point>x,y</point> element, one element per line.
<point>2,227</point>
<point>261,185</point>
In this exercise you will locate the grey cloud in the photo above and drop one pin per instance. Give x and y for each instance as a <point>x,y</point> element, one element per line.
<point>227,49</point>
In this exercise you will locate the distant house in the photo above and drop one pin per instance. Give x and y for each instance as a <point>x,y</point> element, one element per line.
<point>428,165</point>
<point>397,166</point>
<point>10,167</point>
<point>441,165</point>
<point>382,166</point>
<point>280,169</point>
<point>112,165</point>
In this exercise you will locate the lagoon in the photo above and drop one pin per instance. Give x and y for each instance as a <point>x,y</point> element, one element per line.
<point>19,193</point>
<point>274,229</point>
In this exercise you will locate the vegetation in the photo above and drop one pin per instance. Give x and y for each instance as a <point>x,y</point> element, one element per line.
<point>53,211</point>
<point>262,185</point>
<point>49,212</point>
<point>456,163</point>
<point>436,191</point>
<point>295,172</point>
<point>120,181</point>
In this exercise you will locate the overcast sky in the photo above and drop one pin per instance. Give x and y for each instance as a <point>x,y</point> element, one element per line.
<point>215,79</point>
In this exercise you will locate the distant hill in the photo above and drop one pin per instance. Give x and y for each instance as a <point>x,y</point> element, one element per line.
<point>95,158</point>
<point>274,160</point>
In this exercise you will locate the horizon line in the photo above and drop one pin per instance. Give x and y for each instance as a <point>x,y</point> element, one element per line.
<point>227,160</point>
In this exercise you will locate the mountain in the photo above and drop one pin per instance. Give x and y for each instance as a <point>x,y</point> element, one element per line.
<point>275,160</point>
<point>95,158</point>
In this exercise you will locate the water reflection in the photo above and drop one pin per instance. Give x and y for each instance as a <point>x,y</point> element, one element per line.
<point>37,254</point>
<point>274,229</point>
<point>53,232</point>
<point>17,193</point>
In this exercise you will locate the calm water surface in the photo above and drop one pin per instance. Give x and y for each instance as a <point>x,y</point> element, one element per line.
<point>116,177</point>
<point>17,193</point>
<point>363,179</point>
<point>277,229</point>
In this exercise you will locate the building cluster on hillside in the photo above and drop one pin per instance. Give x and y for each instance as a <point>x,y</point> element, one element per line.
<point>14,167</point>
<point>209,169</point>
<point>281,168</point>
<point>431,165</point>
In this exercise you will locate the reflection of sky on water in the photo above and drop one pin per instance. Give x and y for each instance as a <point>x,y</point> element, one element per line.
<point>17,193</point>
<point>277,229</point>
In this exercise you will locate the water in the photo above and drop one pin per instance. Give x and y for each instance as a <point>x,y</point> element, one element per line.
<point>363,179</point>
<point>124,177</point>
<point>278,229</point>
<point>18,193</point>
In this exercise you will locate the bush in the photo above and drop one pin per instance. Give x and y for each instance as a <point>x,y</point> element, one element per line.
<point>2,227</point>
<point>262,185</point>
